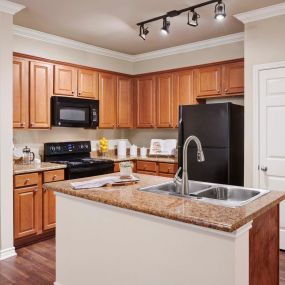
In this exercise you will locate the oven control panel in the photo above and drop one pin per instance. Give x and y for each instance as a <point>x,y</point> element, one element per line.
<point>51,149</point>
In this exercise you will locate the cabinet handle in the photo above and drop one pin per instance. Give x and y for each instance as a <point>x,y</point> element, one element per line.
<point>219,91</point>
<point>22,124</point>
<point>118,125</point>
<point>113,125</point>
<point>54,177</point>
<point>226,90</point>
<point>79,93</point>
<point>27,180</point>
<point>36,189</point>
<point>32,125</point>
<point>72,92</point>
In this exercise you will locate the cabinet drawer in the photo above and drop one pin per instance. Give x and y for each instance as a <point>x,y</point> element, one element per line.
<point>53,175</point>
<point>24,180</point>
<point>147,172</point>
<point>146,166</point>
<point>167,168</point>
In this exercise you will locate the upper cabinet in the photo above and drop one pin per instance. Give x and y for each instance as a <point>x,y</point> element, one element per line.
<point>65,80</point>
<point>164,100</point>
<point>183,91</point>
<point>20,93</point>
<point>233,78</point>
<point>220,80</point>
<point>124,102</point>
<point>107,97</point>
<point>71,81</point>
<point>145,102</point>
<point>41,84</point>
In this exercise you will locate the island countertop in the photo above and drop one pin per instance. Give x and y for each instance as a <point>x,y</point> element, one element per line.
<point>172,207</point>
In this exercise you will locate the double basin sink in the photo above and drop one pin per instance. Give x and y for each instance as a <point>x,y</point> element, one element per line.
<point>224,195</point>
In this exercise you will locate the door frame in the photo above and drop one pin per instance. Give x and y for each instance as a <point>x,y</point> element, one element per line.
<point>255,110</point>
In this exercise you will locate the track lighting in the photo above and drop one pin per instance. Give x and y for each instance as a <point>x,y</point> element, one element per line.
<point>143,32</point>
<point>220,11</point>
<point>194,21</point>
<point>165,27</point>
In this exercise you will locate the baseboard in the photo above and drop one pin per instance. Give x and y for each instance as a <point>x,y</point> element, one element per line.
<point>282,239</point>
<point>8,252</point>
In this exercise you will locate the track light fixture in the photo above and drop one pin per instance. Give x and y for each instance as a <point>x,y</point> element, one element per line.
<point>143,32</point>
<point>220,13</point>
<point>194,21</point>
<point>165,27</point>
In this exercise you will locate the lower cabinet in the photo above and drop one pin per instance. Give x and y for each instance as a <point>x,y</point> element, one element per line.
<point>34,207</point>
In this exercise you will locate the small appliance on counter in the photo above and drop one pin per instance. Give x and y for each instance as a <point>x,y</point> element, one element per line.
<point>28,156</point>
<point>143,151</point>
<point>133,151</point>
<point>76,156</point>
<point>74,112</point>
<point>220,128</point>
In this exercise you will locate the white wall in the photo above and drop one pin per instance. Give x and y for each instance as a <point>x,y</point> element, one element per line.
<point>264,43</point>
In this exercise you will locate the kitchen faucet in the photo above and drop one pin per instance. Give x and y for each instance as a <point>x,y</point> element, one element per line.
<point>182,185</point>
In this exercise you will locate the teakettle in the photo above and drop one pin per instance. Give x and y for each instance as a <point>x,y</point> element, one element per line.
<point>28,156</point>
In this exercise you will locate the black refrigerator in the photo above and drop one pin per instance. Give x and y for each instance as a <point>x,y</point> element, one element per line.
<point>220,128</point>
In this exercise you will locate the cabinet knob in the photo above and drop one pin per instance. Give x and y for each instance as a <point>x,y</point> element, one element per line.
<point>54,177</point>
<point>118,125</point>
<point>22,124</point>
<point>226,90</point>
<point>27,180</point>
<point>72,92</point>
<point>219,91</point>
<point>263,168</point>
<point>36,189</point>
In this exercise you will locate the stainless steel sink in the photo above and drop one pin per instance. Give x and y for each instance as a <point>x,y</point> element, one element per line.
<point>224,195</point>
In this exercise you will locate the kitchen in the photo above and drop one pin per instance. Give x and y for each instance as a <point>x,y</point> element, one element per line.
<point>136,93</point>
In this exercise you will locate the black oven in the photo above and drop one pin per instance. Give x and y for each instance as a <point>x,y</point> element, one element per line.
<point>74,112</point>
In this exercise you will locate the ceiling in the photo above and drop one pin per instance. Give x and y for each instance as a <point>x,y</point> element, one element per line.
<point>111,24</point>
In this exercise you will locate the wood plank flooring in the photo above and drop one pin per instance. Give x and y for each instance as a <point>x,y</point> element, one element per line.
<point>35,265</point>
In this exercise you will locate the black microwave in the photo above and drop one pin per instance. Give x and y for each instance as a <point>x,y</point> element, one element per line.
<point>74,112</point>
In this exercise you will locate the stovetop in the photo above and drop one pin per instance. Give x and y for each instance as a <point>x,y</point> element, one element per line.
<point>83,162</point>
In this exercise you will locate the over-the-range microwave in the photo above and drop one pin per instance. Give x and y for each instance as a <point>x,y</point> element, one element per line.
<point>74,112</point>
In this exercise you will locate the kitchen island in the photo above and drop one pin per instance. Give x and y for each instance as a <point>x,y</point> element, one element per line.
<point>120,235</point>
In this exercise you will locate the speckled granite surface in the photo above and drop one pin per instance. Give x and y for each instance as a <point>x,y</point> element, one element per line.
<point>172,207</point>
<point>28,168</point>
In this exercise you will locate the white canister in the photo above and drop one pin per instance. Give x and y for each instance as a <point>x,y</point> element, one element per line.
<point>122,148</point>
<point>134,151</point>
<point>143,151</point>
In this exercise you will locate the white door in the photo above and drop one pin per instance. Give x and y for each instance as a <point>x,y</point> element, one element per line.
<point>272,135</point>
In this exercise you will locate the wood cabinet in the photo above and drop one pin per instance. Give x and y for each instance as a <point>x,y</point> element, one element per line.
<point>145,102</point>
<point>65,80</point>
<point>40,92</point>
<point>107,97</point>
<point>20,93</point>
<point>164,100</point>
<point>183,92</point>
<point>124,102</point>
<point>34,207</point>
<point>156,168</point>
<point>208,81</point>
<point>233,78</point>
<point>87,84</point>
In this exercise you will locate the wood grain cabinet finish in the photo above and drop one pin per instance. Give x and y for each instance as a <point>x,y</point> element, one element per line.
<point>108,100</point>
<point>20,93</point>
<point>88,84</point>
<point>26,211</point>
<point>24,180</point>
<point>145,102</point>
<point>208,81</point>
<point>147,166</point>
<point>40,92</point>
<point>233,78</point>
<point>65,80</point>
<point>183,92</point>
<point>124,102</point>
<point>164,100</point>
<point>49,212</point>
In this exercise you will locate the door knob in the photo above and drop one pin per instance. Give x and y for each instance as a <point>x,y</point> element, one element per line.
<point>263,168</point>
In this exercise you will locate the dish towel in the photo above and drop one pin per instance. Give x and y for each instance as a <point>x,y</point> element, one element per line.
<point>100,182</point>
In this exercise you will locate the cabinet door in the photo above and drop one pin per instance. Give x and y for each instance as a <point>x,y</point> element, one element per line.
<point>107,98</point>
<point>124,102</point>
<point>87,84</point>
<point>233,78</point>
<point>20,93</point>
<point>183,92</point>
<point>40,93</point>
<point>145,102</point>
<point>164,100</point>
<point>208,81</point>
<point>48,209</point>
<point>26,207</point>
<point>65,80</point>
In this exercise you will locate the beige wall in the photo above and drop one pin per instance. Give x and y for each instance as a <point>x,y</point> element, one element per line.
<point>264,43</point>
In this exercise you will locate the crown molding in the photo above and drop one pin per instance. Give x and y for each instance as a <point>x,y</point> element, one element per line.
<point>233,38</point>
<point>52,39</point>
<point>61,41</point>
<point>262,13</point>
<point>10,7</point>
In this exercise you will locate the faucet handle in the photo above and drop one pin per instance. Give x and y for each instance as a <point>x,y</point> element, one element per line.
<point>176,177</point>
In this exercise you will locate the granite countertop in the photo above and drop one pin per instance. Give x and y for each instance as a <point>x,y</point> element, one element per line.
<point>172,207</point>
<point>28,168</point>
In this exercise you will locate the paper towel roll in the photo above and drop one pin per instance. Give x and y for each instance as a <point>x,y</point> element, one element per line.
<point>122,148</point>
<point>134,151</point>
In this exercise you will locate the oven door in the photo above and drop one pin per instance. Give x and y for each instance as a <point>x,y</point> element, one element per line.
<point>68,112</point>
